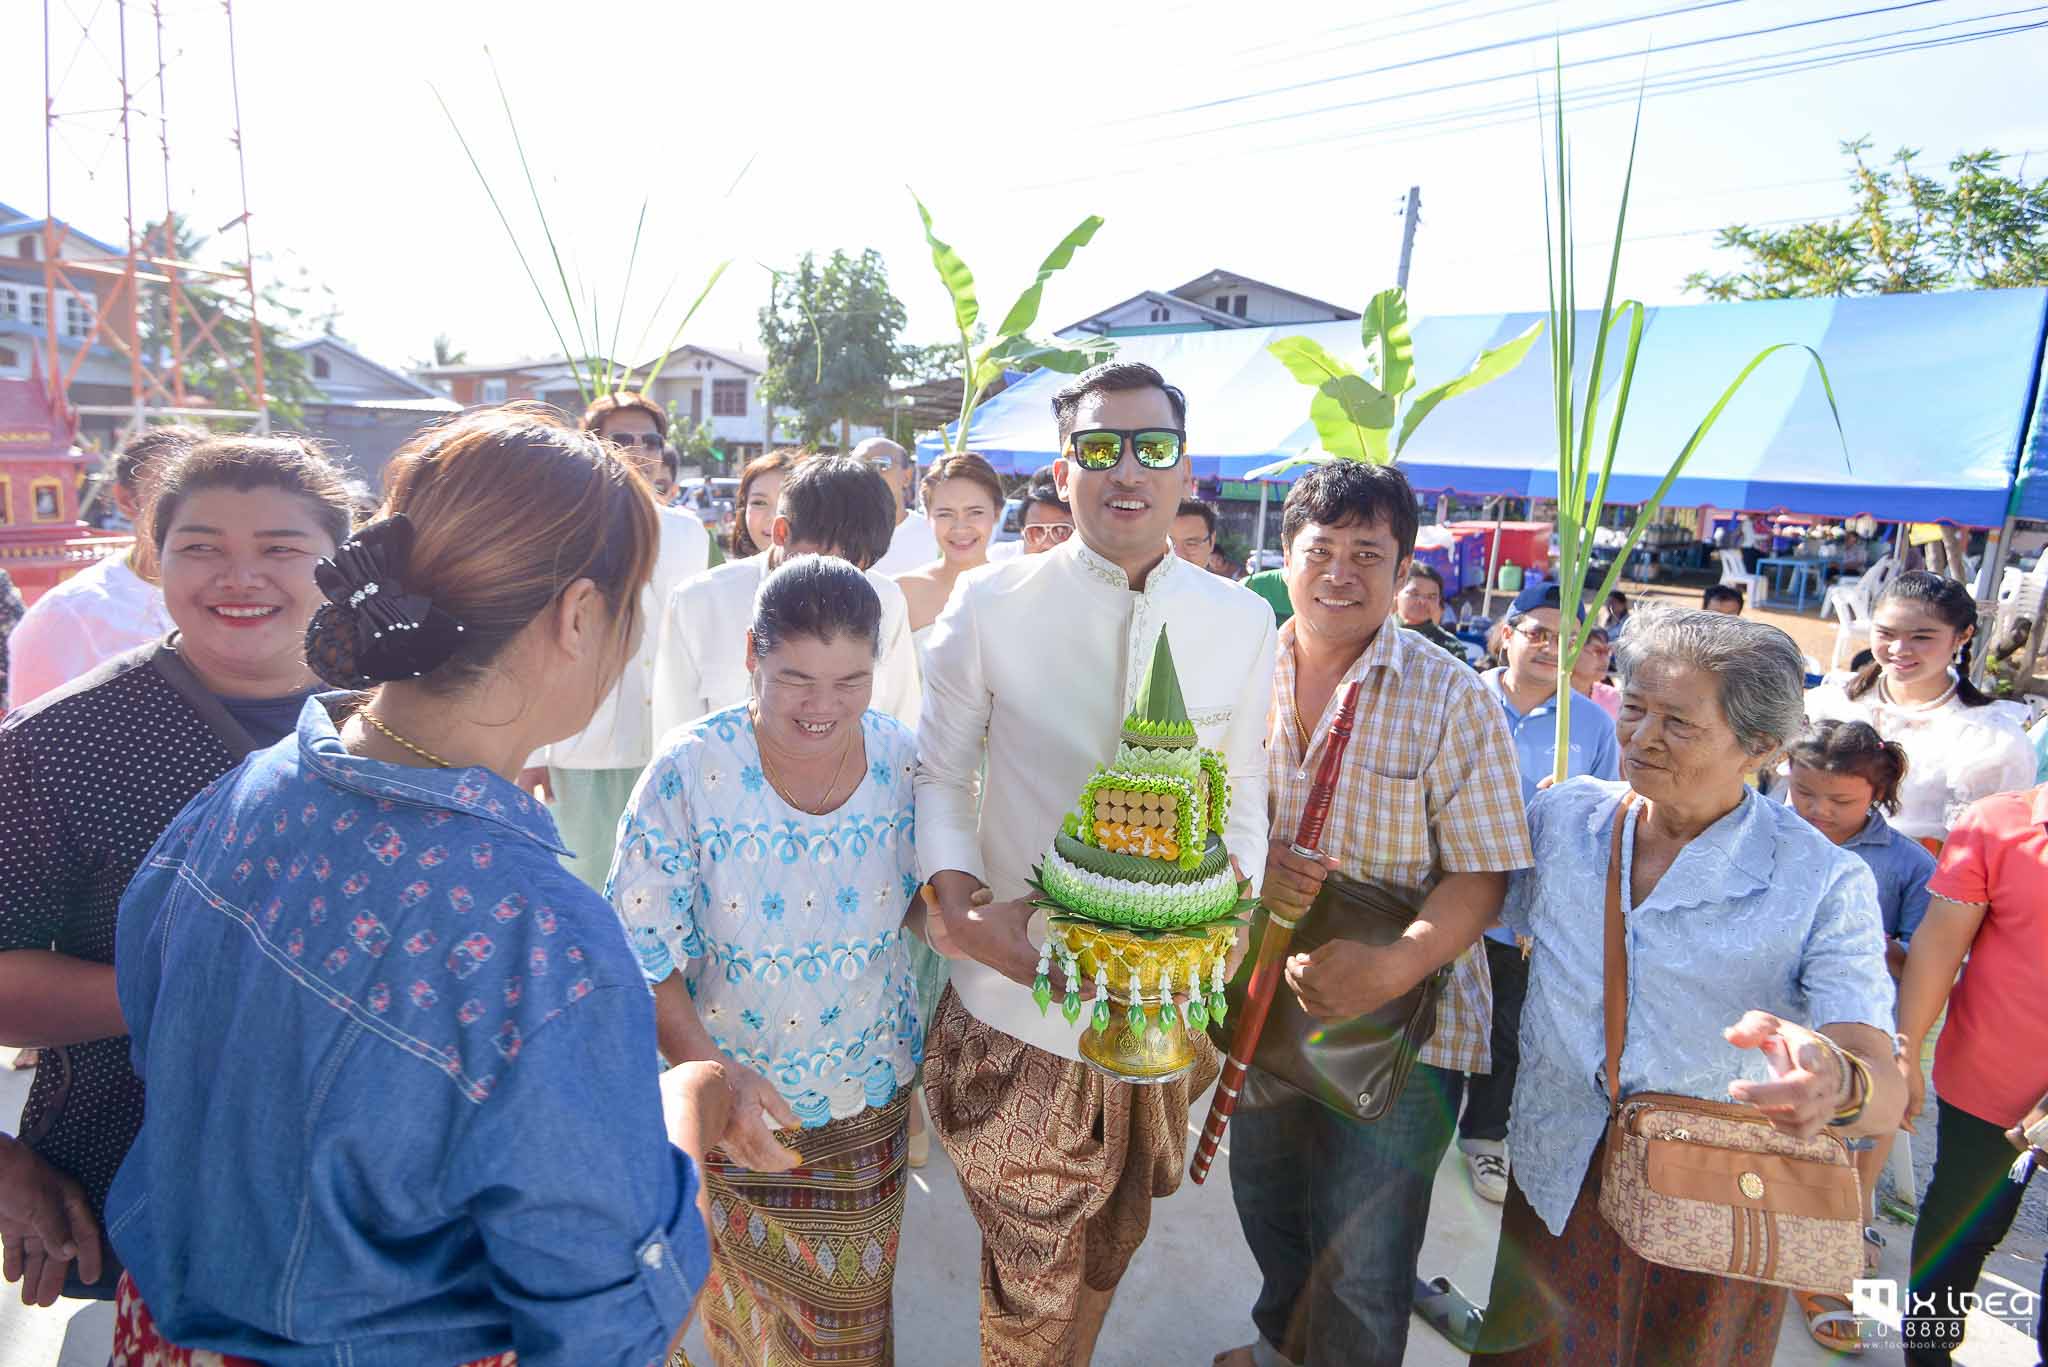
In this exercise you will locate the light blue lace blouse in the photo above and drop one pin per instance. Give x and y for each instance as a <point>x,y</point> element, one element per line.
<point>1759,912</point>
<point>788,927</point>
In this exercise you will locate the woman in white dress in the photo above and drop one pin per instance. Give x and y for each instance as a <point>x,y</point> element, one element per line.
<point>1960,744</point>
<point>963,498</point>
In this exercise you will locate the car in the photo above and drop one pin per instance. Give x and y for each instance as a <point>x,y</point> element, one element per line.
<point>1011,526</point>
<point>1268,559</point>
<point>711,500</point>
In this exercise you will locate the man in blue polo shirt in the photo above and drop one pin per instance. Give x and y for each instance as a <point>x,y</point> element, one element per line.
<point>1526,689</point>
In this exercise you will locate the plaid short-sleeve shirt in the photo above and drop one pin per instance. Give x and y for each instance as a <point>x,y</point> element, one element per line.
<point>1429,787</point>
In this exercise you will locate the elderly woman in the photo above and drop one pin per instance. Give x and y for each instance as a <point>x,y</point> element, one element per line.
<point>1755,969</point>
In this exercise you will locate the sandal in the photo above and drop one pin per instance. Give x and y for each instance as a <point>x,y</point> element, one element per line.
<point>1447,1310</point>
<point>1830,1321</point>
<point>1873,1249</point>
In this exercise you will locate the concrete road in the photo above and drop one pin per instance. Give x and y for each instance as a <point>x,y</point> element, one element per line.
<point>1187,1296</point>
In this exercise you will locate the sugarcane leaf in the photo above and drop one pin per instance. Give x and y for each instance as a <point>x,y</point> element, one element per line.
<point>1608,314</point>
<point>677,335</point>
<point>554,324</point>
<point>1024,313</point>
<point>1490,366</point>
<point>953,273</point>
<point>1386,323</point>
<point>1628,379</point>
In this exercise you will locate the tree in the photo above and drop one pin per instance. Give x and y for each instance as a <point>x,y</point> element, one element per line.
<point>446,352</point>
<point>830,335</point>
<point>223,373</point>
<point>1908,233</point>
<point>696,443</point>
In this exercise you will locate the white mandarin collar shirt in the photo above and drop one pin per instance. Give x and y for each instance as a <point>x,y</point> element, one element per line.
<point>702,664</point>
<point>102,611</point>
<point>621,732</point>
<point>913,545</point>
<point>1033,666</point>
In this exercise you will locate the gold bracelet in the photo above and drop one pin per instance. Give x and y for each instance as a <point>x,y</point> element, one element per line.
<point>1859,1088</point>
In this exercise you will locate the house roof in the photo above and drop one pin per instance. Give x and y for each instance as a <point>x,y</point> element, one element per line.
<point>333,343</point>
<point>13,220</point>
<point>493,368</point>
<point>1201,310</point>
<point>1217,277</point>
<point>742,360</point>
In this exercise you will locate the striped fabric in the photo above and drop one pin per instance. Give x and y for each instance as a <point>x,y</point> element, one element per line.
<point>1429,787</point>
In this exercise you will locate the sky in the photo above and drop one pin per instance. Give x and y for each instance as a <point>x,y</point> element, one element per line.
<point>1276,140</point>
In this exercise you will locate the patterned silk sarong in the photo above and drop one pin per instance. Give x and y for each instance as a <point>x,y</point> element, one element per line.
<point>803,1262</point>
<point>1060,1166</point>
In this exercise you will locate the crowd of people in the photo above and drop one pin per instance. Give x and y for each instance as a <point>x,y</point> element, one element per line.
<point>508,925</point>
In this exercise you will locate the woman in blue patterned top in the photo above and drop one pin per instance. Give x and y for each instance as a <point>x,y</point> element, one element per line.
<point>399,1109</point>
<point>765,871</point>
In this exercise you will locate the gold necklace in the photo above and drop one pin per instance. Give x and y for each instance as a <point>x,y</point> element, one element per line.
<point>817,808</point>
<point>370,718</point>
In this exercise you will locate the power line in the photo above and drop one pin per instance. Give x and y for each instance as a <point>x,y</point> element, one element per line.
<point>1404,33</point>
<point>1538,71</point>
<point>1689,78</point>
<point>1683,81</point>
<point>1432,58</point>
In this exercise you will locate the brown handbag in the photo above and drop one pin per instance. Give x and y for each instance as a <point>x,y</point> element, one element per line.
<point>1710,1186</point>
<point>1359,1066</point>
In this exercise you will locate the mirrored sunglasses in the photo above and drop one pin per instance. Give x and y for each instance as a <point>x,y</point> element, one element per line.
<point>1100,448</point>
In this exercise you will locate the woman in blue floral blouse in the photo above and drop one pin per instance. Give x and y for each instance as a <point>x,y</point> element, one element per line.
<point>764,874</point>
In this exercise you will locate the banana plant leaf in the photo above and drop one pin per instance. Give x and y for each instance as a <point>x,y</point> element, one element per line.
<point>1491,365</point>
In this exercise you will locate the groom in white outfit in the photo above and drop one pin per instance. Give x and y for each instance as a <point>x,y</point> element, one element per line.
<point>1031,669</point>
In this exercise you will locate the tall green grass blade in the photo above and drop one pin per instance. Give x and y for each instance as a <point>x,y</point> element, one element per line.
<point>677,335</point>
<point>1023,314</point>
<point>626,292</point>
<point>1637,315</point>
<point>547,229</point>
<point>1607,313</point>
<point>513,237</point>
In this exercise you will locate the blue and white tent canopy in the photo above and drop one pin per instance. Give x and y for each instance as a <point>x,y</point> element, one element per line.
<point>1937,393</point>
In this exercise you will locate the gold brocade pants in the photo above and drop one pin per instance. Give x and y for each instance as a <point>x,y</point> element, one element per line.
<point>1060,1166</point>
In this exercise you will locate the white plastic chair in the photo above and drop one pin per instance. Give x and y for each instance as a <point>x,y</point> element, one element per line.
<point>1851,605</point>
<point>1849,600</point>
<point>1738,576</point>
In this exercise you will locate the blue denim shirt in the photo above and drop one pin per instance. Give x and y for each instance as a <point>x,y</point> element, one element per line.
<point>400,1065</point>
<point>1594,749</point>
<point>1759,912</point>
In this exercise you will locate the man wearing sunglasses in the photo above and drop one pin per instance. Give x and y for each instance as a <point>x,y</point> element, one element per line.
<point>588,778</point>
<point>1044,521</point>
<point>912,545</point>
<point>1030,671</point>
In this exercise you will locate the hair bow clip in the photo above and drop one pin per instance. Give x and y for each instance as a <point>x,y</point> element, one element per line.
<point>398,634</point>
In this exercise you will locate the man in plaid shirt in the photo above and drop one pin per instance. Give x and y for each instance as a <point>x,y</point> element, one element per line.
<point>1429,801</point>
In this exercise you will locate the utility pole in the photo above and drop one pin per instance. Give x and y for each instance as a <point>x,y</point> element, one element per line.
<point>1412,215</point>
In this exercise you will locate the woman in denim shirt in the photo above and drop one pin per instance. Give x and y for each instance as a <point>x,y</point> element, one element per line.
<point>400,1108</point>
<point>1755,968</point>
